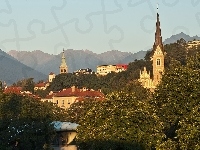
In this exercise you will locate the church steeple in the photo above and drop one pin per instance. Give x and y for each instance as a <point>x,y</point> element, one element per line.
<point>158,37</point>
<point>158,53</point>
<point>157,58</point>
<point>63,66</point>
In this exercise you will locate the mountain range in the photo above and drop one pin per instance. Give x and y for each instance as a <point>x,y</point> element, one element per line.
<point>12,70</point>
<point>75,59</point>
<point>17,65</point>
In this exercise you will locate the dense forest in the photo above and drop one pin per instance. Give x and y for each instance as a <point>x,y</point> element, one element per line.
<point>130,118</point>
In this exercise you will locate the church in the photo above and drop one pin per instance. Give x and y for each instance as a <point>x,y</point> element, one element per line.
<point>157,61</point>
<point>63,66</point>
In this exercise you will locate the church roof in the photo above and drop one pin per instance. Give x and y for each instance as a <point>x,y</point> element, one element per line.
<point>51,73</point>
<point>63,62</point>
<point>158,36</point>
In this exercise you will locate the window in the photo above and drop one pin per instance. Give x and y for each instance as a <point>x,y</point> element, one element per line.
<point>158,62</point>
<point>63,102</point>
<point>68,101</point>
<point>56,101</point>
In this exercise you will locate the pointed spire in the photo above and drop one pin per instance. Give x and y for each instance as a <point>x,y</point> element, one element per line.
<point>145,69</point>
<point>63,54</point>
<point>63,66</point>
<point>63,58</point>
<point>158,37</point>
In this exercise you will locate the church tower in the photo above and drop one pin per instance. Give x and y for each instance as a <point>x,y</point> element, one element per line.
<point>158,61</point>
<point>63,66</point>
<point>158,54</point>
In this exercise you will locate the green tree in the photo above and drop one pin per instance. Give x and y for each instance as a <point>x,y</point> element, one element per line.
<point>27,121</point>
<point>120,122</point>
<point>26,84</point>
<point>176,102</point>
<point>41,93</point>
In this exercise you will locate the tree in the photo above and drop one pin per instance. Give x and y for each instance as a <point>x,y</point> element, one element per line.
<point>26,84</point>
<point>120,122</point>
<point>27,121</point>
<point>176,101</point>
<point>175,51</point>
<point>41,93</point>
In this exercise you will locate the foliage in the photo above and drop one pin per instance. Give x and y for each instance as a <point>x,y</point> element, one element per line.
<point>26,84</point>
<point>177,103</point>
<point>27,121</point>
<point>175,51</point>
<point>41,93</point>
<point>120,122</point>
<point>131,118</point>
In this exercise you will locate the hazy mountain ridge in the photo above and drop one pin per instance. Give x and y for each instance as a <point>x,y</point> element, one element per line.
<point>77,59</point>
<point>12,70</point>
<point>176,37</point>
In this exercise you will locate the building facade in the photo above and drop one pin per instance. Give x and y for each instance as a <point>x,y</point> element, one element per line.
<point>68,96</point>
<point>105,69</point>
<point>83,71</point>
<point>51,76</point>
<point>193,44</point>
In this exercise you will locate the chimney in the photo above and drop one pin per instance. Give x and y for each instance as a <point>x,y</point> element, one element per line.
<point>73,88</point>
<point>84,89</point>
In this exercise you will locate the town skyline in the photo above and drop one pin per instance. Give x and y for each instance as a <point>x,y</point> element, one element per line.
<point>98,26</point>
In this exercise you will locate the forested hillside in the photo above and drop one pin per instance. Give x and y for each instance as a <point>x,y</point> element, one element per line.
<point>116,81</point>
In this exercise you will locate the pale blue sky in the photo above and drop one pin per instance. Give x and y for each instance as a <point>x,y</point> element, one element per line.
<point>96,25</point>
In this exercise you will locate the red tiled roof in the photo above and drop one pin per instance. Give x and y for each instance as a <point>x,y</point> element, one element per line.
<point>79,93</point>
<point>49,96</point>
<point>40,84</point>
<point>67,92</point>
<point>18,90</point>
<point>125,66</point>
<point>13,89</point>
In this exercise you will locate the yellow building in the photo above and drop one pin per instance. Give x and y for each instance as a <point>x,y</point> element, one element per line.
<point>41,86</point>
<point>158,61</point>
<point>51,76</point>
<point>193,44</point>
<point>105,69</point>
<point>66,97</point>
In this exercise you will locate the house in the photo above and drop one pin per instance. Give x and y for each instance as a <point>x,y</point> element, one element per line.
<point>121,67</point>
<point>13,89</point>
<point>193,44</point>
<point>105,69</point>
<point>49,98</point>
<point>41,86</point>
<point>68,96</point>
<point>83,71</point>
<point>19,91</point>
<point>51,76</point>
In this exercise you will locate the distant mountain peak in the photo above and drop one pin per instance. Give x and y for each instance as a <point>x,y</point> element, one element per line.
<point>180,35</point>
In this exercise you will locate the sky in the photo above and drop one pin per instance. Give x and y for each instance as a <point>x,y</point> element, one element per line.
<point>95,25</point>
